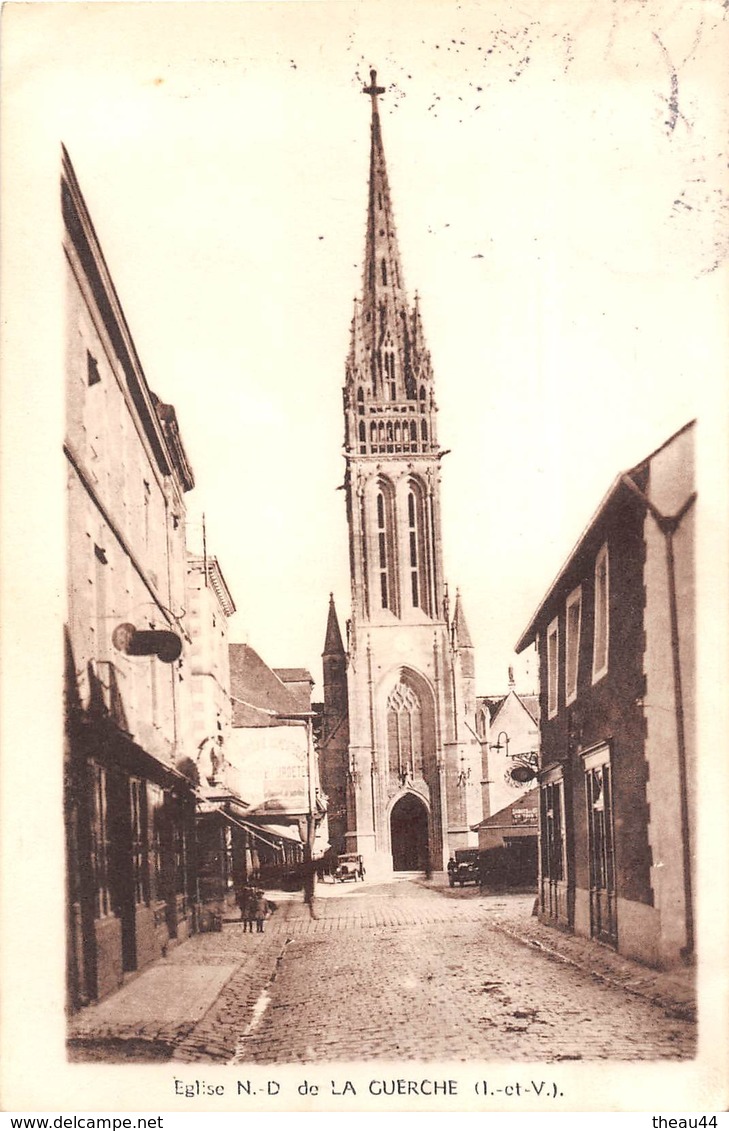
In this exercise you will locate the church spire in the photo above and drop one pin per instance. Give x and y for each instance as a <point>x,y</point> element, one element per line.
<point>389,391</point>
<point>383,272</point>
<point>333,645</point>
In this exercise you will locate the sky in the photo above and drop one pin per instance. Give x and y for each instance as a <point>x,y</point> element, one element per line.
<point>558,174</point>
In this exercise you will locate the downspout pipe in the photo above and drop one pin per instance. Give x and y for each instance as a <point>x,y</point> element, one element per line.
<point>668,525</point>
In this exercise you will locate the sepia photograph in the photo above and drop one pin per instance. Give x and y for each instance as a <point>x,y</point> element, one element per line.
<point>365,556</point>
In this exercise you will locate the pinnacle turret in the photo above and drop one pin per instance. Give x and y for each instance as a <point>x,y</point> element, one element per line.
<point>461,635</point>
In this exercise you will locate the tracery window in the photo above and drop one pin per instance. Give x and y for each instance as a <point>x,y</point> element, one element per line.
<point>417,553</point>
<point>404,732</point>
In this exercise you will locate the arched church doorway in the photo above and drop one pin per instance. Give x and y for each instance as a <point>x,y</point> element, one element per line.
<point>409,835</point>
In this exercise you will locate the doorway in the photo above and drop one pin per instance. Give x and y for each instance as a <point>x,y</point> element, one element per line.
<point>409,835</point>
<point>603,894</point>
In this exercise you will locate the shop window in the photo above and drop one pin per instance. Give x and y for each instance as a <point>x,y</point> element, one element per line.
<point>552,836</point>
<point>155,804</point>
<point>181,863</point>
<point>100,843</point>
<point>140,847</point>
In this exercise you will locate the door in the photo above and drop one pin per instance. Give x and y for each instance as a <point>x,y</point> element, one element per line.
<point>554,895</point>
<point>603,896</point>
<point>409,835</point>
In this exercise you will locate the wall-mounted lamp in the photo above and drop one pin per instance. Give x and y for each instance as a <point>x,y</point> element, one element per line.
<point>499,745</point>
<point>165,645</point>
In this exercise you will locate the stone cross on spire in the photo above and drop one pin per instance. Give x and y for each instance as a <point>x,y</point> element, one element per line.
<point>373,90</point>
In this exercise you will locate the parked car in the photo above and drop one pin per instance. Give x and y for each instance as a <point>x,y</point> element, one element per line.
<point>349,867</point>
<point>464,869</point>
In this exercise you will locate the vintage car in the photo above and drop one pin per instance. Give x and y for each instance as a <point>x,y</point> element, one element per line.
<point>349,867</point>
<point>464,869</point>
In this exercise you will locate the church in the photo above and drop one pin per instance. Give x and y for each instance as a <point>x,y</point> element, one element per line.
<point>400,759</point>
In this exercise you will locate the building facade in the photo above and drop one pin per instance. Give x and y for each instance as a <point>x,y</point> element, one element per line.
<point>272,764</point>
<point>508,727</point>
<point>129,810</point>
<point>401,764</point>
<point>209,606</point>
<point>615,636</point>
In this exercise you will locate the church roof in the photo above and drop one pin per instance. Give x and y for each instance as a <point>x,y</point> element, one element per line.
<point>257,693</point>
<point>494,703</point>
<point>298,682</point>
<point>293,675</point>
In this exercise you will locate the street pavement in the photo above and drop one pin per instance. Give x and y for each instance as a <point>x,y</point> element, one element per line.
<point>409,970</point>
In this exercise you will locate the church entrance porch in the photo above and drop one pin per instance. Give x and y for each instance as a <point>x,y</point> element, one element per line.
<point>409,835</point>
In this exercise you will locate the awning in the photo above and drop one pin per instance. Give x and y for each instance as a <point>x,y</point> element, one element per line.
<point>285,832</point>
<point>210,808</point>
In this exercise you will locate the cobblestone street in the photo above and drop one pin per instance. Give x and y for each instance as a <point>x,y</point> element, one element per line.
<point>400,971</point>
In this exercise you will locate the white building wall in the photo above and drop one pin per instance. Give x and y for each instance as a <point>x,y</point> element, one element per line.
<point>671,484</point>
<point>120,566</point>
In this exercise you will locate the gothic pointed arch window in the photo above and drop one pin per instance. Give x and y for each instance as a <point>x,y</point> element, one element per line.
<point>362,437</point>
<point>417,548</point>
<point>385,558</point>
<point>404,733</point>
<point>424,430</point>
<point>390,383</point>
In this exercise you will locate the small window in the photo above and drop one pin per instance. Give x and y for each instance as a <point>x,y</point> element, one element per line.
<point>552,668</point>
<point>92,370</point>
<point>602,616</point>
<point>572,643</point>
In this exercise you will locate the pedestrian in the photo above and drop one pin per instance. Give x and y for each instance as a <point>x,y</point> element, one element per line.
<point>260,910</point>
<point>245,901</point>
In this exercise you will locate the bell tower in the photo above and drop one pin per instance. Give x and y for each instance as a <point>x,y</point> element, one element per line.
<point>413,763</point>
